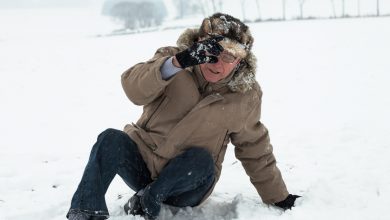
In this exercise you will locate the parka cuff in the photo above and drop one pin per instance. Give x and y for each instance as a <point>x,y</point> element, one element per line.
<point>143,82</point>
<point>277,198</point>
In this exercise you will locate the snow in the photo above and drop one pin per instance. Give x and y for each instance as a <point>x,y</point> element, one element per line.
<point>325,102</point>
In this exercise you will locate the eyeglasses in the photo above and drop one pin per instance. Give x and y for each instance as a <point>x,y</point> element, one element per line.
<point>227,57</point>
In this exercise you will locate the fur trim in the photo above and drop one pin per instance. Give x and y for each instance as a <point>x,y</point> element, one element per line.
<point>228,26</point>
<point>244,76</point>
<point>233,47</point>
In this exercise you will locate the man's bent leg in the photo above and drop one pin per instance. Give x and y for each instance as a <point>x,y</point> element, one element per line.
<point>113,153</point>
<point>191,198</point>
<point>183,182</point>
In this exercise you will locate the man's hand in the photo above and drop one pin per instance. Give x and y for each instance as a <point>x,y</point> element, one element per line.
<point>205,51</point>
<point>288,203</point>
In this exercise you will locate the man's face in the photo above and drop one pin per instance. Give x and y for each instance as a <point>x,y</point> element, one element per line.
<point>214,72</point>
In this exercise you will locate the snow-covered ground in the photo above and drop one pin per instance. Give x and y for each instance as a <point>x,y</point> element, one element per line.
<point>326,103</point>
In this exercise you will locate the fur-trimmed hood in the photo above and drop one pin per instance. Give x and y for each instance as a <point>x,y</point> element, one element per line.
<point>244,77</point>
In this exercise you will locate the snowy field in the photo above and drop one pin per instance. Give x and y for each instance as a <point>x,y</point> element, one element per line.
<point>326,103</point>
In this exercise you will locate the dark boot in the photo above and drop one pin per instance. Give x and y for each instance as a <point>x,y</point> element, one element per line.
<point>183,182</point>
<point>133,206</point>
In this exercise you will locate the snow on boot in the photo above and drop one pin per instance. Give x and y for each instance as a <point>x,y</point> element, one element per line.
<point>149,217</point>
<point>133,206</point>
<point>78,216</point>
<point>83,216</point>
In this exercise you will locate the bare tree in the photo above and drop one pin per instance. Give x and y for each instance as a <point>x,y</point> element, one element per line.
<point>220,5</point>
<point>214,6</point>
<point>204,7</point>
<point>181,8</point>
<point>188,7</point>
<point>301,3</point>
<point>358,8</point>
<point>208,7</point>
<point>343,8</point>
<point>377,8</point>
<point>258,9</point>
<point>124,11</point>
<point>146,14</point>
<point>333,8</point>
<point>243,9</point>
<point>284,9</point>
<point>138,15</point>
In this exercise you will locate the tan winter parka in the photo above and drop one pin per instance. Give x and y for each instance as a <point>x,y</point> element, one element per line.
<point>187,111</point>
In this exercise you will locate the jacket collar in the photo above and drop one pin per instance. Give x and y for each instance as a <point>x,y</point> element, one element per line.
<point>206,87</point>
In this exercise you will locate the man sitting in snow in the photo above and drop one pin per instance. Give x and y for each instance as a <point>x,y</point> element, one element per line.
<point>197,98</point>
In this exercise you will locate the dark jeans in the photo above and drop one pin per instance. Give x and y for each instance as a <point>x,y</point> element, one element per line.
<point>183,181</point>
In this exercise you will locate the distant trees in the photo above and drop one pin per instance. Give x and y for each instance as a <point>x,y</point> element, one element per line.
<point>136,14</point>
<point>358,8</point>
<point>301,3</point>
<point>214,5</point>
<point>192,7</point>
<point>358,12</point>
<point>333,8</point>
<point>207,7</point>
<point>377,8</point>
<point>188,7</point>
<point>258,9</point>
<point>243,9</point>
<point>124,12</point>
<point>147,13</point>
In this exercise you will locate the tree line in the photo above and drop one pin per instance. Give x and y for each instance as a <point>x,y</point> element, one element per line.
<point>137,14</point>
<point>207,7</point>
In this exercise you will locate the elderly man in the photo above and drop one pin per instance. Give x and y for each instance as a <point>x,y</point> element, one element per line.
<point>197,98</point>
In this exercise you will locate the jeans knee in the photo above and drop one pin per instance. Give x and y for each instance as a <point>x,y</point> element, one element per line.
<point>198,152</point>
<point>112,138</point>
<point>111,133</point>
<point>202,157</point>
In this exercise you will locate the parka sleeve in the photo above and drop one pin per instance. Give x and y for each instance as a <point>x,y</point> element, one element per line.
<point>143,83</point>
<point>254,150</point>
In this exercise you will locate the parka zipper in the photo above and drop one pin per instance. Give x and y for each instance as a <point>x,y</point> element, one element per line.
<point>154,111</point>
<point>222,144</point>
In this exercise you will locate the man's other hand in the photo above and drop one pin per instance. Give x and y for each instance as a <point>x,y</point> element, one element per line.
<point>287,203</point>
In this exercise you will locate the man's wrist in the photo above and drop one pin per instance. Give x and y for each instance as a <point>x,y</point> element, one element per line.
<point>175,62</point>
<point>168,69</point>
